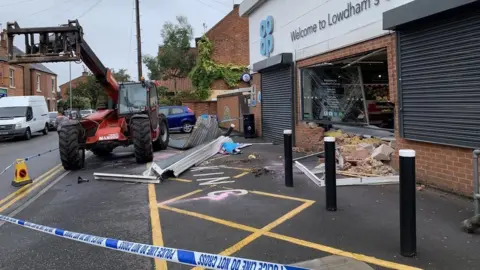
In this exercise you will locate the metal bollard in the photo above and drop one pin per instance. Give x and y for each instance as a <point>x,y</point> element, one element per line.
<point>408,227</point>
<point>330,174</point>
<point>476,192</point>
<point>287,142</point>
<point>229,130</point>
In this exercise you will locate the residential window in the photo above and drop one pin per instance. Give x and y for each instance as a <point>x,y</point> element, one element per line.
<point>38,83</point>
<point>12,77</point>
<point>53,85</point>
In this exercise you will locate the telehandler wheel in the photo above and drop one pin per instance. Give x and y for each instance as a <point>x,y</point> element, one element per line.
<point>142,140</point>
<point>71,155</point>
<point>162,142</point>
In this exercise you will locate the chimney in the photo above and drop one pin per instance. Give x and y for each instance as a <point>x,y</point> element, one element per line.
<point>84,74</point>
<point>3,42</point>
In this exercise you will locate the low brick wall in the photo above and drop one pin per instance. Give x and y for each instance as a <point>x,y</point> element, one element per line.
<point>202,107</point>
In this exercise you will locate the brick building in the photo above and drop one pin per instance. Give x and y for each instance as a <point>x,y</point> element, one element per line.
<point>371,64</point>
<point>26,79</point>
<point>230,41</point>
<point>65,88</point>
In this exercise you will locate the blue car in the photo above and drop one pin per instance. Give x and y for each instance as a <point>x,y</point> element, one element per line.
<point>179,117</point>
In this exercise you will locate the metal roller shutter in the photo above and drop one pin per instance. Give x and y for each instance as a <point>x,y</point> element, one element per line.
<point>439,89</point>
<point>277,96</point>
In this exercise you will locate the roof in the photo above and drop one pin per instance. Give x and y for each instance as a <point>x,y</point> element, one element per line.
<point>35,66</point>
<point>247,7</point>
<point>394,19</point>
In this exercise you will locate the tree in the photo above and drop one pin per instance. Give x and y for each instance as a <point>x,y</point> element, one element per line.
<point>93,91</point>
<point>175,59</point>
<point>121,75</point>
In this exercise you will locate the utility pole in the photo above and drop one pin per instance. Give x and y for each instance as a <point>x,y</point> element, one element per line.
<point>139,39</point>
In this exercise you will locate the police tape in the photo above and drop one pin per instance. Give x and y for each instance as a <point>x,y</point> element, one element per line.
<point>29,158</point>
<point>193,258</point>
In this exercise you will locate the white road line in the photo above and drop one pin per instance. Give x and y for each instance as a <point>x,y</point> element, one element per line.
<point>34,198</point>
<point>207,174</point>
<point>215,178</point>
<point>194,169</point>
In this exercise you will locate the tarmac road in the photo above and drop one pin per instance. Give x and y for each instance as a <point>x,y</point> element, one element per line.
<point>13,149</point>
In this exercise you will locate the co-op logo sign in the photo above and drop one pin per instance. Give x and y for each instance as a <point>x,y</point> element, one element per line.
<point>266,35</point>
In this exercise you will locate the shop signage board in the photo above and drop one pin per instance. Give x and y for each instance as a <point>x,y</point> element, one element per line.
<point>314,26</point>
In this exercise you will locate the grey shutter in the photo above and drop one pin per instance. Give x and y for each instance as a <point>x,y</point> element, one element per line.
<point>439,87</point>
<point>277,95</point>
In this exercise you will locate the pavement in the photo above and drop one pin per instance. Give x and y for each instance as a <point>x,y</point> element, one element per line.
<point>18,148</point>
<point>230,206</point>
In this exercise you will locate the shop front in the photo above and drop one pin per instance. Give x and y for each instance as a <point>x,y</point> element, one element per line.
<point>438,87</point>
<point>322,63</point>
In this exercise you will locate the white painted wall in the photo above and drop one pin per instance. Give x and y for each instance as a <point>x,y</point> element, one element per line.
<point>289,15</point>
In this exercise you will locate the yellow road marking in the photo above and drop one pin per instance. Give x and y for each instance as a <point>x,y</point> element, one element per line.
<point>279,196</point>
<point>300,242</point>
<point>157,236</point>
<point>27,191</point>
<point>180,180</point>
<point>209,218</point>
<point>181,197</point>
<point>240,175</point>
<point>237,168</point>
<point>247,240</point>
<point>22,189</point>
<point>336,251</point>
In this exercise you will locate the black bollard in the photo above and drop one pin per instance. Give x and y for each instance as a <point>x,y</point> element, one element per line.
<point>330,174</point>
<point>408,233</point>
<point>287,142</point>
<point>229,130</point>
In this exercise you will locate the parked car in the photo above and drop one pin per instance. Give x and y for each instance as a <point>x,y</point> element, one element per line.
<point>179,117</point>
<point>52,120</point>
<point>21,116</point>
<point>85,113</point>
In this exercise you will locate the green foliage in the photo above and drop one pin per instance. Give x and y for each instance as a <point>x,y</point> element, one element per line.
<point>206,71</point>
<point>61,105</point>
<point>92,91</point>
<point>175,58</point>
<point>121,75</point>
<point>179,98</point>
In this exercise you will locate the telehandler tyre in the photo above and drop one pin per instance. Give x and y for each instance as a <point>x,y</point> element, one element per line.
<point>142,140</point>
<point>162,142</point>
<point>71,155</point>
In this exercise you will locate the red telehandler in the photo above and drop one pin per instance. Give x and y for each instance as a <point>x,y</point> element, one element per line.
<point>131,116</point>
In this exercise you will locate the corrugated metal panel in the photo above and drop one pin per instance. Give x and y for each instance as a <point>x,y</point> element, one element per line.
<point>277,94</point>
<point>439,90</point>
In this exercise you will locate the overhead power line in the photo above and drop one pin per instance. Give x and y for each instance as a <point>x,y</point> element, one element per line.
<point>131,33</point>
<point>223,3</point>
<point>15,3</point>
<point>89,9</point>
<point>47,9</point>
<point>212,7</point>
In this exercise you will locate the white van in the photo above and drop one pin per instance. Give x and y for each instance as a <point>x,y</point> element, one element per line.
<point>22,115</point>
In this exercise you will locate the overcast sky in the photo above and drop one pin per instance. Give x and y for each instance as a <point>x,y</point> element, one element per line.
<point>109,25</point>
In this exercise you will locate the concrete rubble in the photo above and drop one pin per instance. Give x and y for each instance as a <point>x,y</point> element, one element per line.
<point>363,156</point>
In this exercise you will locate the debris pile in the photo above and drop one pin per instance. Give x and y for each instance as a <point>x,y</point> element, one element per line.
<point>362,156</point>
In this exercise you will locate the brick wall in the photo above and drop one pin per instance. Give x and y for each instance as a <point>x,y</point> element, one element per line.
<point>202,107</point>
<point>311,136</point>
<point>228,107</point>
<point>230,40</point>
<point>65,88</point>
<point>19,88</point>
